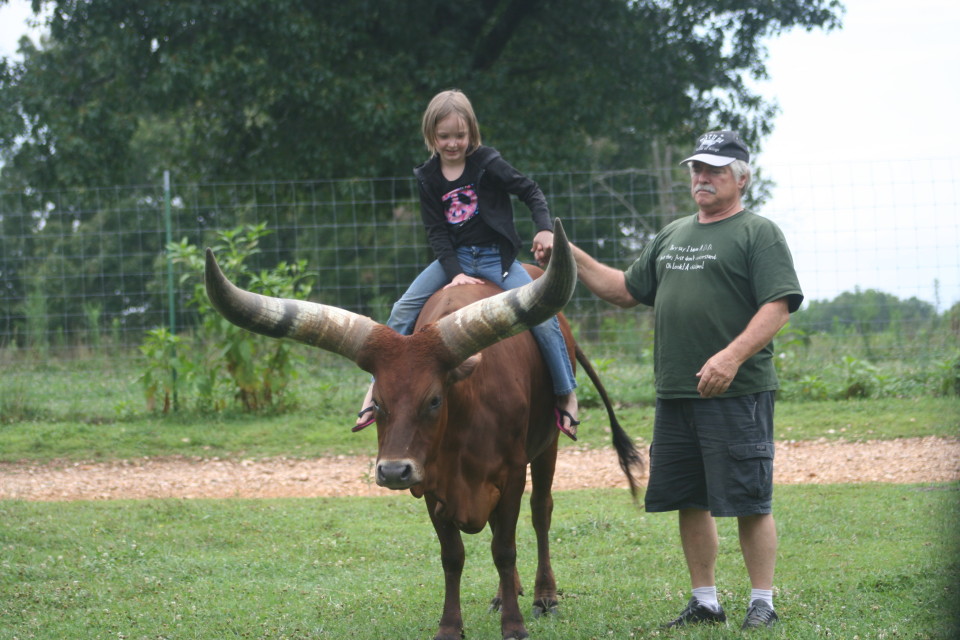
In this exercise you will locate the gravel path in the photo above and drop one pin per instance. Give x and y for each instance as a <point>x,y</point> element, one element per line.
<point>909,460</point>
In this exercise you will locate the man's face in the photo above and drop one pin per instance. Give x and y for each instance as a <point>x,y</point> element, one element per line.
<point>714,189</point>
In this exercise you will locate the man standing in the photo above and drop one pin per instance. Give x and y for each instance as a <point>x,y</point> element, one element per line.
<point>722,284</point>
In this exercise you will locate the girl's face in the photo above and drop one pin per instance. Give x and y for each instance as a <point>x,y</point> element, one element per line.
<point>452,140</point>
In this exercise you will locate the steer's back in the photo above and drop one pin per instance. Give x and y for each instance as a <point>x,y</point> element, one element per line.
<point>504,410</point>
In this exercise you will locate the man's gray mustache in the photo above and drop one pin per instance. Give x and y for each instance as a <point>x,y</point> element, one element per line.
<point>705,187</point>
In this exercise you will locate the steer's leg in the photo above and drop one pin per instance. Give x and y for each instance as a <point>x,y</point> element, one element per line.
<point>541,506</point>
<point>451,557</point>
<point>495,603</point>
<point>503,546</point>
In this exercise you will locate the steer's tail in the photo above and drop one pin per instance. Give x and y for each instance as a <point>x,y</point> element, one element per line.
<point>630,459</point>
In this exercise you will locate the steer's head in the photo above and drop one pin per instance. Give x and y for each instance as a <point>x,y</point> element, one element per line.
<point>413,373</point>
<point>412,398</point>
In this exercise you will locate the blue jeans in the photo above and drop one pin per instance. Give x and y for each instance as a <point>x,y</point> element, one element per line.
<point>484,262</point>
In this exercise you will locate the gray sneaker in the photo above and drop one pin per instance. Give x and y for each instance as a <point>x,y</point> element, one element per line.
<point>696,613</point>
<point>760,614</point>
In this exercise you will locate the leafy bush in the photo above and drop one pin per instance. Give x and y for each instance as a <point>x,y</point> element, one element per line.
<point>948,371</point>
<point>860,378</point>
<point>159,377</point>
<point>223,359</point>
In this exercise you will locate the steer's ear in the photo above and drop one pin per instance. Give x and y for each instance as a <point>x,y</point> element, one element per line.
<point>466,368</point>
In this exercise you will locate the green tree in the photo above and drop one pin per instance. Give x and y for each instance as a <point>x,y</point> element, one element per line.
<point>225,92</point>
<point>231,90</point>
<point>865,312</point>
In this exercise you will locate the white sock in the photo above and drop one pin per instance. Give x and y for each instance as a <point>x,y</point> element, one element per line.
<point>707,596</point>
<point>762,594</point>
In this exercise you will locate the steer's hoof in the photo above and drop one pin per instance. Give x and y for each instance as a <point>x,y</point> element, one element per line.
<point>545,607</point>
<point>450,634</point>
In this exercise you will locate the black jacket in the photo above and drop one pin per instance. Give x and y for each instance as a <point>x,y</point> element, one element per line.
<point>496,181</point>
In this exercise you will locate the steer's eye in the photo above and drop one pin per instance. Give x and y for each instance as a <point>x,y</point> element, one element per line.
<point>435,403</point>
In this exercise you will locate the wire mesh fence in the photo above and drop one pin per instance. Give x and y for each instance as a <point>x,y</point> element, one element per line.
<point>84,270</point>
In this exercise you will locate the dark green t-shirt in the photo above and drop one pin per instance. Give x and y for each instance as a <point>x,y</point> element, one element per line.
<point>705,283</point>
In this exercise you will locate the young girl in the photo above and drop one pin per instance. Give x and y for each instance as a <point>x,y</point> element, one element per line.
<point>465,203</point>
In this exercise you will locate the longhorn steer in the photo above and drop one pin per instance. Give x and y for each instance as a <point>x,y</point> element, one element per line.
<point>462,406</point>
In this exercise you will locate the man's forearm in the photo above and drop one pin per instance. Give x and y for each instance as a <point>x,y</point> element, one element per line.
<point>764,325</point>
<point>719,371</point>
<point>604,282</point>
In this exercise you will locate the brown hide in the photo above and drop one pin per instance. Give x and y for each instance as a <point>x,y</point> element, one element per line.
<point>463,409</point>
<point>466,434</point>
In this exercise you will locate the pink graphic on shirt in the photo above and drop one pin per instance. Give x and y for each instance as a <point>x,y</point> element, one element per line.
<point>460,204</point>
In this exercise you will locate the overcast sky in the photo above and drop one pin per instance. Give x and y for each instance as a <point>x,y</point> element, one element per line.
<point>864,153</point>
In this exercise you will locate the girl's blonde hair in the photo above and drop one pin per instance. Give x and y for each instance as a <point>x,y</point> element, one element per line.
<point>442,105</point>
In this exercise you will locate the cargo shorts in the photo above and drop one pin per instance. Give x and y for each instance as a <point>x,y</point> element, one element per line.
<point>713,454</point>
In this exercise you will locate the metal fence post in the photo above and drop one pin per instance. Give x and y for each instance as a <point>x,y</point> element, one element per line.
<point>171,297</point>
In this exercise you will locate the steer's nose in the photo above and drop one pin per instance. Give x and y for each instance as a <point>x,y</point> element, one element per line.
<point>398,474</point>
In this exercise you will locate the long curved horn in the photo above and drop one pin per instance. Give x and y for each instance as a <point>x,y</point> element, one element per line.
<point>317,325</point>
<point>482,323</point>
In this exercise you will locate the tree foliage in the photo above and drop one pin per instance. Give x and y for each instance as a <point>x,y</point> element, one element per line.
<point>865,312</point>
<point>235,97</point>
<point>243,89</point>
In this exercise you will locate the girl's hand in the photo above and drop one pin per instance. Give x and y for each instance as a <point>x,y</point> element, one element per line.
<point>542,247</point>
<point>462,278</point>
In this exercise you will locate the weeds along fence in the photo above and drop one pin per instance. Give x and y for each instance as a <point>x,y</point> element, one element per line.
<point>84,271</point>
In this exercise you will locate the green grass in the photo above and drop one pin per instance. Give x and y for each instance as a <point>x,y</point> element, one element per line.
<point>871,561</point>
<point>869,419</point>
<point>71,411</point>
<point>309,432</point>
